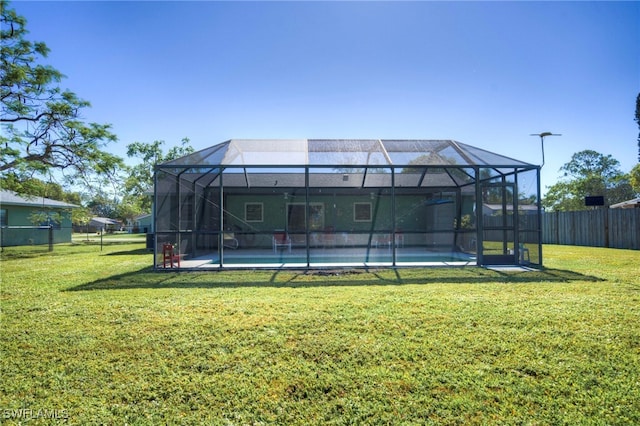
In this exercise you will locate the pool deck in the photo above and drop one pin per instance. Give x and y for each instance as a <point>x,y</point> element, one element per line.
<point>325,258</point>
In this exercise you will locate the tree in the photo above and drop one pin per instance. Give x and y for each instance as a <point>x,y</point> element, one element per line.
<point>45,217</point>
<point>38,188</point>
<point>42,127</point>
<point>588,173</point>
<point>128,208</point>
<point>140,181</point>
<point>81,217</point>
<point>634,179</point>
<point>102,205</point>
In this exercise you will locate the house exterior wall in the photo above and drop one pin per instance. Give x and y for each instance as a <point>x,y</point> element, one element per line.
<point>21,231</point>
<point>417,220</point>
<point>144,224</point>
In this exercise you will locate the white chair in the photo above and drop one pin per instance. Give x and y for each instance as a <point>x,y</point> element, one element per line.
<point>281,240</point>
<point>524,253</point>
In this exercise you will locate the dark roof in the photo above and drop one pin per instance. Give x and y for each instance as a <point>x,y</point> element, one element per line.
<point>96,221</point>
<point>11,198</point>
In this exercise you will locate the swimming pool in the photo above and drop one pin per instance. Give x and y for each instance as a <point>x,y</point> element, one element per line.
<point>339,258</point>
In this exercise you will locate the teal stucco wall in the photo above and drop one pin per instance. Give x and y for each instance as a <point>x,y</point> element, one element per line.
<point>20,230</point>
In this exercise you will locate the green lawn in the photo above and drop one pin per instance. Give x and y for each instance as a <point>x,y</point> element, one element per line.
<point>93,336</point>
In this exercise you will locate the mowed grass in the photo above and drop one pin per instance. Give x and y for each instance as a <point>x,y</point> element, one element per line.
<point>101,338</point>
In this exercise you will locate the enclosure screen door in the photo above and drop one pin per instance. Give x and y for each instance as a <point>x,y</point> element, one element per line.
<point>498,224</point>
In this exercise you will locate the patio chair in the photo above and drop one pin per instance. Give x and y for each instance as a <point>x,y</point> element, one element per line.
<point>229,240</point>
<point>385,240</point>
<point>524,251</point>
<point>382,240</point>
<point>281,240</point>
<point>329,237</point>
<point>399,237</point>
<point>168,256</point>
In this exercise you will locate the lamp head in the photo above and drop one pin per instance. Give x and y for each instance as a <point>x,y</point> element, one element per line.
<point>544,134</point>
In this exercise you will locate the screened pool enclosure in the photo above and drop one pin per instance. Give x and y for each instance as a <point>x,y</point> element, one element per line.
<point>345,203</point>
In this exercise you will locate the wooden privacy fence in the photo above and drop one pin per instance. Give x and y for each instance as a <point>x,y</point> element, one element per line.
<point>615,228</point>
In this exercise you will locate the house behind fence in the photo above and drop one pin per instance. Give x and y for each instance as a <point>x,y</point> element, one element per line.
<point>17,216</point>
<point>614,228</point>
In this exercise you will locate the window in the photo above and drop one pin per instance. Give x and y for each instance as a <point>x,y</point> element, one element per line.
<point>253,212</point>
<point>3,217</point>
<point>362,212</point>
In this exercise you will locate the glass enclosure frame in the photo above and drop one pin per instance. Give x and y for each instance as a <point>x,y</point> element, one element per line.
<point>345,203</point>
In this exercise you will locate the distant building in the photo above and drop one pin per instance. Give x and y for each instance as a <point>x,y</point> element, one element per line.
<point>143,224</point>
<point>25,220</point>
<point>630,204</point>
<point>104,224</point>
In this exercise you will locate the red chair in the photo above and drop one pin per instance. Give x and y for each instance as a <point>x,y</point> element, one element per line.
<point>168,256</point>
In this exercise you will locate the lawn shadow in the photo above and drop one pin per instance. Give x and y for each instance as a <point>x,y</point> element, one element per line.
<point>131,252</point>
<point>148,278</point>
<point>65,250</point>
<point>107,243</point>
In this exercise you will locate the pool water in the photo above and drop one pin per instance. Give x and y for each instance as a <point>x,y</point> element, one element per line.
<point>343,258</point>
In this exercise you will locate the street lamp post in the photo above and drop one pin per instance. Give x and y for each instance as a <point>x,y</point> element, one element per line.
<point>542,136</point>
<point>539,203</point>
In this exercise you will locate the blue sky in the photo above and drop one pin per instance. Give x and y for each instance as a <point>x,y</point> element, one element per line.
<point>483,73</point>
